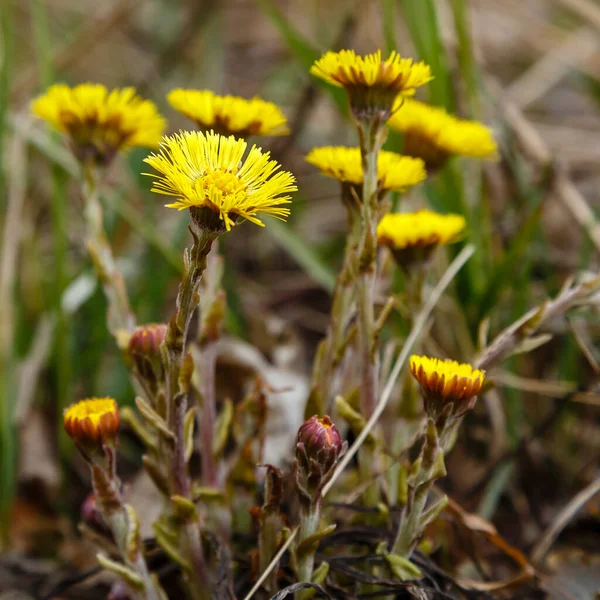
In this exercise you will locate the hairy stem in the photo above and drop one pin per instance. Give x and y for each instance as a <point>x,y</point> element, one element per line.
<point>370,141</point>
<point>177,380</point>
<point>124,527</point>
<point>309,524</point>
<point>120,317</point>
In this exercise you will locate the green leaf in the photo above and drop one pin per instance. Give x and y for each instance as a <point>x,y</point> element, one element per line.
<point>402,567</point>
<point>119,569</point>
<point>154,419</point>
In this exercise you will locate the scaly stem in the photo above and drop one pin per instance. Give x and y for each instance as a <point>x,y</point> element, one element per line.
<point>331,351</point>
<point>371,140</point>
<point>414,517</point>
<point>177,386</point>
<point>309,525</point>
<point>124,526</point>
<point>120,317</point>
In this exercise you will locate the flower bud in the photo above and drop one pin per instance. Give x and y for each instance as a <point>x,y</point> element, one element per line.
<point>144,349</point>
<point>92,422</point>
<point>319,446</point>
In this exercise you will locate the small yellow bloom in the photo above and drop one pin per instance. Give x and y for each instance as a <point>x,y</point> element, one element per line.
<point>92,422</point>
<point>209,171</point>
<point>422,228</point>
<point>100,123</point>
<point>446,382</point>
<point>395,172</point>
<point>413,237</point>
<point>372,84</point>
<point>434,135</point>
<point>229,114</point>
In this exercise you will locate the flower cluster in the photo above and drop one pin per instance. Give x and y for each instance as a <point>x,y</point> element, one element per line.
<point>222,180</point>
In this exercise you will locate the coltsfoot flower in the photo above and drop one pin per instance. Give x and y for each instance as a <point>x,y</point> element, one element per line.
<point>412,237</point>
<point>434,135</point>
<point>446,382</point>
<point>99,122</point>
<point>92,422</point>
<point>144,349</point>
<point>394,171</point>
<point>229,114</point>
<point>372,84</point>
<point>208,174</point>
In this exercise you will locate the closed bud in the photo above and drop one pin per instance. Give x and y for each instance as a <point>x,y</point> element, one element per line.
<point>144,349</point>
<point>319,446</point>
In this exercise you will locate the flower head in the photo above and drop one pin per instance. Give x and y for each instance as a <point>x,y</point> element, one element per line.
<point>412,237</point>
<point>445,382</point>
<point>99,122</point>
<point>207,173</point>
<point>319,446</point>
<point>372,84</point>
<point>144,349</point>
<point>395,172</point>
<point>432,134</point>
<point>92,422</point>
<point>229,114</point>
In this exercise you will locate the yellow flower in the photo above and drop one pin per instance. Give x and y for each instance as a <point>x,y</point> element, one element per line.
<point>99,123</point>
<point>423,228</point>
<point>209,171</point>
<point>412,237</point>
<point>446,382</point>
<point>395,172</point>
<point>229,114</point>
<point>92,422</point>
<point>434,135</point>
<point>372,84</point>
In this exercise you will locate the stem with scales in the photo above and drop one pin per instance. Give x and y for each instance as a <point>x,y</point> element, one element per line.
<point>372,134</point>
<point>178,367</point>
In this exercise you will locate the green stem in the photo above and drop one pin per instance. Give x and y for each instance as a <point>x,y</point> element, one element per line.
<point>125,531</point>
<point>309,525</point>
<point>370,138</point>
<point>120,318</point>
<point>332,353</point>
<point>412,522</point>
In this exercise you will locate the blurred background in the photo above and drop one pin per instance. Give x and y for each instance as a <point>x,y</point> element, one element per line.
<point>528,68</point>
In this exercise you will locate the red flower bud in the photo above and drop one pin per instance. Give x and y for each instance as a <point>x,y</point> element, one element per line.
<point>144,349</point>
<point>319,445</point>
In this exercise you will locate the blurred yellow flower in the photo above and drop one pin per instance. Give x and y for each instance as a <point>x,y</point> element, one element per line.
<point>209,171</point>
<point>92,422</point>
<point>372,84</point>
<point>446,381</point>
<point>229,114</point>
<point>422,228</point>
<point>395,172</point>
<point>99,122</point>
<point>432,134</point>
